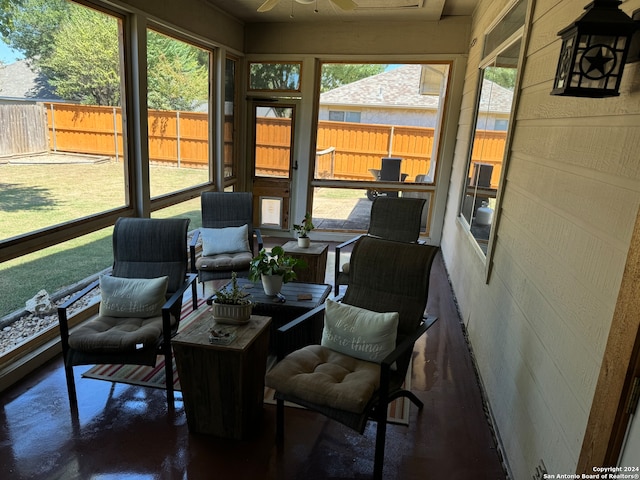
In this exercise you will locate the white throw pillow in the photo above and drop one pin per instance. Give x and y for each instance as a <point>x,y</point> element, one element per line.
<point>225,240</point>
<point>358,332</point>
<point>132,297</point>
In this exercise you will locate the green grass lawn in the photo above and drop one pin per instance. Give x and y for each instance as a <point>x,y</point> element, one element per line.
<point>38,196</point>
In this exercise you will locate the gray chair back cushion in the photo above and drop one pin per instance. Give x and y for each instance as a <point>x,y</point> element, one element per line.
<point>389,276</point>
<point>227,209</point>
<point>150,248</point>
<point>396,219</point>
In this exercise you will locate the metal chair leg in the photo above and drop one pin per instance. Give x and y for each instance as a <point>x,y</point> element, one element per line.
<point>279,421</point>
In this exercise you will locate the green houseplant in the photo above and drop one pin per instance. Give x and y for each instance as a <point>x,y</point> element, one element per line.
<point>274,268</point>
<point>231,304</point>
<point>302,230</point>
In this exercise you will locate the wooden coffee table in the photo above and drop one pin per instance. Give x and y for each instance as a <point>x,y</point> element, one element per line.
<point>283,312</point>
<point>222,385</point>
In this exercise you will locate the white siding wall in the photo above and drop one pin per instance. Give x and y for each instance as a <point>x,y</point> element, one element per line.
<point>539,327</point>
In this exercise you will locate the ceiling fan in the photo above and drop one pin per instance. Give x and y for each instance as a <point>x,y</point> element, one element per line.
<point>343,4</point>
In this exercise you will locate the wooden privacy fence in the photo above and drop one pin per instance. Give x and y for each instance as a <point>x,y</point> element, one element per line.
<point>181,139</point>
<point>23,129</point>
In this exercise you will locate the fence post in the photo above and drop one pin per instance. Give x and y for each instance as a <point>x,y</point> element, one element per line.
<point>53,128</point>
<point>391,133</point>
<point>178,135</point>
<point>115,133</point>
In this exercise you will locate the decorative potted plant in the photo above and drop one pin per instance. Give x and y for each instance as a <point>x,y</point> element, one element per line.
<point>273,269</point>
<point>303,230</point>
<point>231,304</point>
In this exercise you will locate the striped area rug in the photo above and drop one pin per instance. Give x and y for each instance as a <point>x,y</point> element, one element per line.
<point>155,377</point>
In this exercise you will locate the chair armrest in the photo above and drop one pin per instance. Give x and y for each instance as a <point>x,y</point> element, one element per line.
<point>336,270</point>
<point>346,243</point>
<point>169,304</point>
<point>289,328</point>
<point>79,295</point>
<point>408,342</point>
<point>258,234</point>
<point>63,320</point>
<point>192,250</point>
<point>389,360</point>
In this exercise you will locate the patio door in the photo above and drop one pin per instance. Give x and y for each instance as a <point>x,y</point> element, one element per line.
<point>272,149</point>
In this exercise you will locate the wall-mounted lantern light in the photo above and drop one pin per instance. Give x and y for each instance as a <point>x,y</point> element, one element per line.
<point>594,51</point>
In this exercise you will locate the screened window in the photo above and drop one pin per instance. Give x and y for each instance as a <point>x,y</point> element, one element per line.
<point>378,131</point>
<point>66,159</point>
<point>274,76</point>
<point>487,154</point>
<point>178,102</point>
<point>230,115</point>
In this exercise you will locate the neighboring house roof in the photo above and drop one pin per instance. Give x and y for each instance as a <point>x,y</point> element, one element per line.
<point>495,98</point>
<point>400,88</point>
<point>18,80</point>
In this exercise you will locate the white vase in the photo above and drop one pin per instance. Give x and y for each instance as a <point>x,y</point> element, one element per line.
<point>304,242</point>
<point>272,284</point>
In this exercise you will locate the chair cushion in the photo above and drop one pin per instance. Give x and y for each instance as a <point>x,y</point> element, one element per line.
<point>322,376</point>
<point>132,297</point>
<point>225,240</point>
<point>116,334</point>
<point>225,261</point>
<point>358,332</point>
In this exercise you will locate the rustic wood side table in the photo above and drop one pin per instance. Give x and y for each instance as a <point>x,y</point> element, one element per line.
<point>316,257</point>
<point>222,385</point>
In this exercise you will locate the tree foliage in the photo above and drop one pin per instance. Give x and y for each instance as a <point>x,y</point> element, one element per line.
<point>178,74</point>
<point>29,26</point>
<point>77,51</point>
<point>335,75</point>
<point>505,77</point>
<point>83,64</point>
<point>275,76</point>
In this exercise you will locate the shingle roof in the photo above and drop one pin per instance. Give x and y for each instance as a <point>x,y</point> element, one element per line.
<point>400,88</point>
<point>397,88</point>
<point>19,80</point>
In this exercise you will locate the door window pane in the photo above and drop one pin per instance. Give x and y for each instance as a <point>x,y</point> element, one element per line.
<point>273,141</point>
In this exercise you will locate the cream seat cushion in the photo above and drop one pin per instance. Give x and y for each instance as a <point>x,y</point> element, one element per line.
<point>326,377</point>
<point>116,334</point>
<point>225,261</point>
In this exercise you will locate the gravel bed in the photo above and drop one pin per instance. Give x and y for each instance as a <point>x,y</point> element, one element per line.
<point>23,325</point>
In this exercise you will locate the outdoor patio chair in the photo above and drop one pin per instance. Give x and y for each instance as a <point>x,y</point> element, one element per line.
<point>367,341</point>
<point>391,218</point>
<point>228,236</point>
<point>140,302</point>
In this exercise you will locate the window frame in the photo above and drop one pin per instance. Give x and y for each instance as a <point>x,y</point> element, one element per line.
<point>522,35</point>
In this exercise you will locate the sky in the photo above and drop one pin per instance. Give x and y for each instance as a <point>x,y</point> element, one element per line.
<point>7,55</point>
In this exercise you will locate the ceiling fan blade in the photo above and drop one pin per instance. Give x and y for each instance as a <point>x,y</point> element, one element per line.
<point>268,5</point>
<point>345,4</point>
